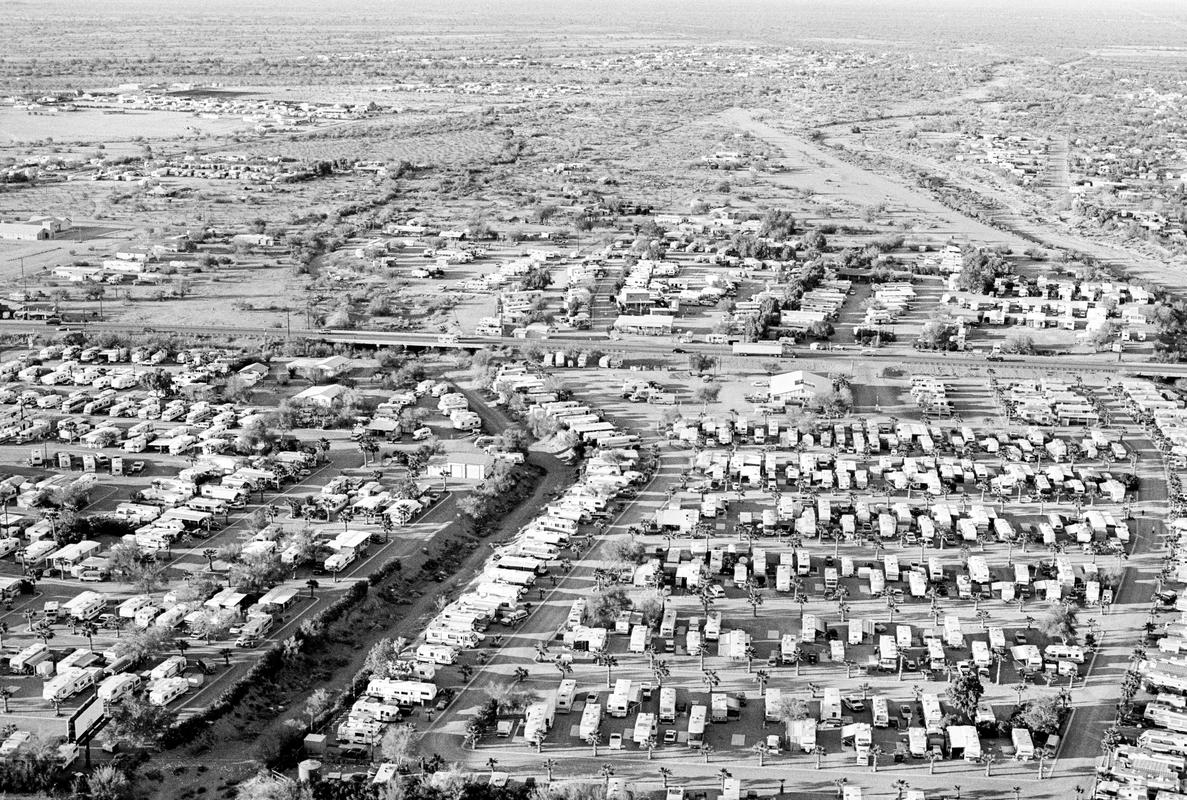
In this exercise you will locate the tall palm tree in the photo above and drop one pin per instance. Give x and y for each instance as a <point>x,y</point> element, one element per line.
<point>607,772</point>
<point>89,629</point>
<point>723,773</point>
<point>900,786</point>
<point>312,585</point>
<point>819,752</point>
<point>665,774</point>
<point>6,693</point>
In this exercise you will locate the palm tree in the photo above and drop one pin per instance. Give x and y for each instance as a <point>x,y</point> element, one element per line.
<point>607,771</point>
<point>209,553</point>
<point>660,670</point>
<point>956,788</point>
<point>762,676</point>
<point>604,659</point>
<point>549,766</point>
<point>491,763</point>
<point>593,740</point>
<point>465,670</point>
<point>819,752</point>
<point>6,693</point>
<point>1017,790</point>
<point>932,757</point>
<point>665,774</point>
<point>762,749</point>
<point>711,679</point>
<point>226,654</point>
<point>706,751</point>
<point>723,773</point>
<point>900,786</point>
<point>520,674</point>
<point>312,586</point>
<point>988,760</point>
<point>840,784</point>
<point>89,629</point>
<point>182,645</point>
<point>875,751</point>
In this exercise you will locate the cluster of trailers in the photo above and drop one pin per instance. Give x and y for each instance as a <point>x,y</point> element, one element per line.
<point>496,595</point>
<point>111,674</point>
<point>1155,758</point>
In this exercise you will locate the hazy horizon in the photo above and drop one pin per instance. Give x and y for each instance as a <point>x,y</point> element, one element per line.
<point>1021,25</point>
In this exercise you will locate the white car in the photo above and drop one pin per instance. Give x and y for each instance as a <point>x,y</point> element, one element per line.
<point>420,434</point>
<point>616,741</point>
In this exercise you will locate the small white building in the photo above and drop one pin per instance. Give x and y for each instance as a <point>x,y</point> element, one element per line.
<point>798,386</point>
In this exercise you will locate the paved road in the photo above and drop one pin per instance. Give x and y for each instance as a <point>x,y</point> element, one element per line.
<point>664,347</point>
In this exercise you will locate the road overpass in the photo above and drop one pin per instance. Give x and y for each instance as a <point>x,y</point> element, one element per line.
<point>643,347</point>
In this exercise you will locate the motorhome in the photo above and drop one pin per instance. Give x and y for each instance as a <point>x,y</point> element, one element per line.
<point>667,627</point>
<point>170,667</point>
<point>591,720</point>
<point>117,687</point>
<point>619,702</point>
<point>564,695</point>
<point>436,654</point>
<point>66,684</point>
<point>697,716</point>
<point>830,706</point>
<point>646,728</point>
<point>1024,749</point>
<point>401,692</point>
<point>667,704</point>
<point>881,712</point>
<point>166,690</point>
<point>28,658</point>
<point>718,707</point>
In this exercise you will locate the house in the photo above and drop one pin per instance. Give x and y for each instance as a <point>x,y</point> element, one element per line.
<point>34,228</point>
<point>320,368</point>
<point>798,386</point>
<point>322,396</point>
<point>254,373</point>
<point>464,465</point>
<point>647,324</point>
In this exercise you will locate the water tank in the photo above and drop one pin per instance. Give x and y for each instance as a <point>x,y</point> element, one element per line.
<point>309,770</point>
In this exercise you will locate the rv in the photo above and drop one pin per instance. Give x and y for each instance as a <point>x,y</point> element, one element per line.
<point>696,725</point>
<point>166,690</point>
<point>401,692</point>
<point>564,695</point>
<point>713,626</point>
<point>667,704</point>
<point>881,712</point>
<point>115,688</point>
<point>772,704</point>
<point>436,654</point>
<point>667,628</point>
<point>619,702</point>
<point>1024,749</point>
<point>66,684</point>
<point>591,720</point>
<point>170,667</point>
<point>718,707</point>
<point>27,659</point>
<point>645,728</point>
<point>830,706</point>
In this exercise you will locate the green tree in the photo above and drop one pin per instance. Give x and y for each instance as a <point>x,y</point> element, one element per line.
<point>138,722</point>
<point>964,693</point>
